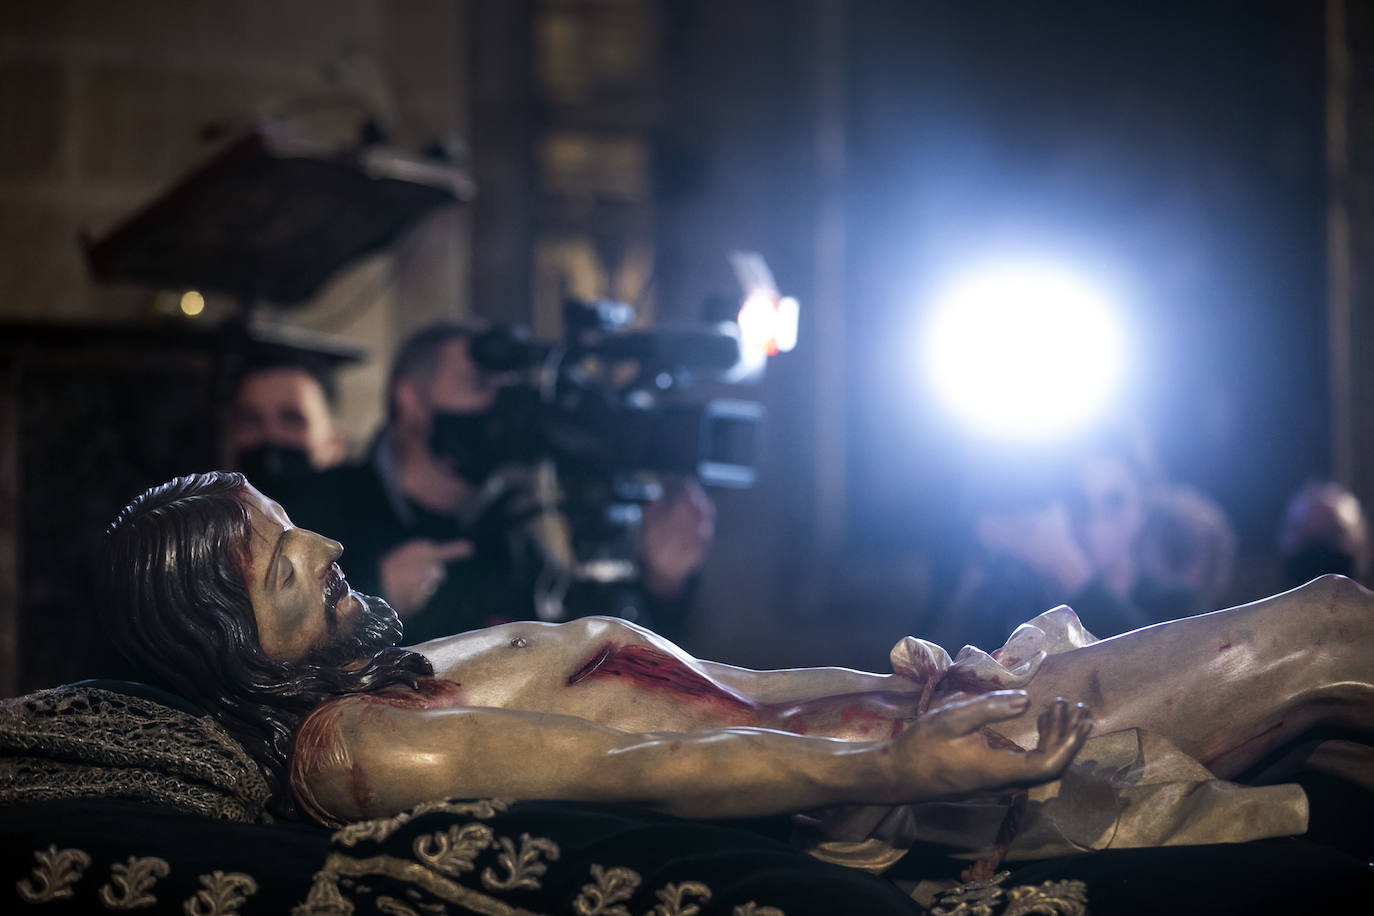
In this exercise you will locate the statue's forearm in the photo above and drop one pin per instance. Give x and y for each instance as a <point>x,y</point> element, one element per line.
<point>744,772</point>
<point>382,759</point>
<point>367,759</point>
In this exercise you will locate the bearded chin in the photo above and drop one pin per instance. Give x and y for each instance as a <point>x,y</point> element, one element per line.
<point>378,627</point>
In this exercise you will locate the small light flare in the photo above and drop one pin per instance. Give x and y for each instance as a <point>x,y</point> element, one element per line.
<point>767,323</point>
<point>192,303</point>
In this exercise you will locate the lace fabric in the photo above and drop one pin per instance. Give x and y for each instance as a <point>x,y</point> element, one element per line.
<point>87,742</point>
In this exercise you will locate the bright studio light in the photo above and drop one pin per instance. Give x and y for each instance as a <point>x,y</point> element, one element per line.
<point>1024,351</point>
<point>768,323</point>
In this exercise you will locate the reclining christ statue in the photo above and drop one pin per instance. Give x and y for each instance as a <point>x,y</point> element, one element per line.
<point>221,599</point>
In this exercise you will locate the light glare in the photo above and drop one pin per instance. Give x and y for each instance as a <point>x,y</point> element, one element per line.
<point>1024,351</point>
<point>768,324</point>
<point>192,303</point>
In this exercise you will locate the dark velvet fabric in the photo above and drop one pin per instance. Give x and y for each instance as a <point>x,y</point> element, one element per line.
<point>1285,876</point>
<point>734,865</point>
<point>280,858</point>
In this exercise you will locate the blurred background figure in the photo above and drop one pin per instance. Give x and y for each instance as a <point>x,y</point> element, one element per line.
<point>1187,554</point>
<point>1114,542</point>
<point>282,425</point>
<point>1324,531</point>
<point>436,523</point>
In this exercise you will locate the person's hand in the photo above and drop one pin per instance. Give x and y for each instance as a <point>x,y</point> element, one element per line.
<point>676,534</point>
<point>945,755</point>
<point>413,572</point>
<point>1042,539</point>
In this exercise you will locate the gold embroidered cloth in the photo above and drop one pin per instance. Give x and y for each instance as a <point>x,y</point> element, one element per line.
<point>86,742</point>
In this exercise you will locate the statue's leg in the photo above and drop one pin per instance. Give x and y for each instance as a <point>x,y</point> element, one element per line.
<point>1231,686</point>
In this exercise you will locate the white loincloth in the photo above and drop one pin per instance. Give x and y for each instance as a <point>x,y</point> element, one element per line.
<point>1125,789</point>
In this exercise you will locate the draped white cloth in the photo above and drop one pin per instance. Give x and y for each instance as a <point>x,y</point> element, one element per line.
<point>1125,789</point>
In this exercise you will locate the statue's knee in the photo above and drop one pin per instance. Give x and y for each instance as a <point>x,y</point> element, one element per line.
<point>1339,591</point>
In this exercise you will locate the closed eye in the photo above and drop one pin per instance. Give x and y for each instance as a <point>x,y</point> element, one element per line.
<point>286,572</point>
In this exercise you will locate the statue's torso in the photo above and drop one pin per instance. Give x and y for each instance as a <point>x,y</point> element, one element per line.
<point>598,668</point>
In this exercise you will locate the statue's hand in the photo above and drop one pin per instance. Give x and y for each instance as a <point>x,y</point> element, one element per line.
<point>945,754</point>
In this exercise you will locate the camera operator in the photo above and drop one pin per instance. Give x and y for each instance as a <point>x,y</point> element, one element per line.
<point>428,531</point>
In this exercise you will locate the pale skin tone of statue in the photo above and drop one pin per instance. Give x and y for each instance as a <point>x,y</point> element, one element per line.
<point>604,711</point>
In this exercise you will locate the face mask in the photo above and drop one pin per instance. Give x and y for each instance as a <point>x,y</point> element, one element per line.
<point>266,465</point>
<point>468,439</point>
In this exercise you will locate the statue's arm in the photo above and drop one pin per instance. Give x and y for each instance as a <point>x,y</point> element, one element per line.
<point>378,759</point>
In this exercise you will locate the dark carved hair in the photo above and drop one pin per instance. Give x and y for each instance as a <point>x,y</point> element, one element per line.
<point>176,603</point>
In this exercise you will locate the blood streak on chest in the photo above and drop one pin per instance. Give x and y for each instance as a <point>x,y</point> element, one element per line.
<point>429,693</point>
<point>657,670</point>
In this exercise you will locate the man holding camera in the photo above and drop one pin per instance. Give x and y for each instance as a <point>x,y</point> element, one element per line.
<point>450,544</point>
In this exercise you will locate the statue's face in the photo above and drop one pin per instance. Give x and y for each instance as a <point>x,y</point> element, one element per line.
<point>299,594</point>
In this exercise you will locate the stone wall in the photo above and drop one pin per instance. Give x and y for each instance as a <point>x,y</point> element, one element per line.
<point>102,105</point>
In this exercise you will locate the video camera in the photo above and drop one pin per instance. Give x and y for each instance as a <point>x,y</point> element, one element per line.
<point>609,402</point>
<point>608,413</point>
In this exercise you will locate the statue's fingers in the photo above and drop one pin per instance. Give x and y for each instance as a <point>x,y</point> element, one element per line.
<point>1048,761</point>
<point>1073,724</point>
<point>967,716</point>
<point>1053,722</point>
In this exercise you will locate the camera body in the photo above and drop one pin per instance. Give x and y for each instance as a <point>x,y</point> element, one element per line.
<point>609,401</point>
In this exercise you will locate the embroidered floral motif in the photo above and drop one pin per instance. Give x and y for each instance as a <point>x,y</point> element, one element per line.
<point>612,887</point>
<point>674,899</point>
<point>393,907</point>
<point>131,881</point>
<point>380,828</point>
<point>1051,898</point>
<point>988,898</point>
<point>753,909</point>
<point>523,868</point>
<point>451,852</point>
<point>973,898</point>
<point>324,898</point>
<point>57,870</point>
<point>222,895</point>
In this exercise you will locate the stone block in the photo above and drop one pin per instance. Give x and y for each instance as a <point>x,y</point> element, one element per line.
<point>142,123</point>
<point>35,20</point>
<point>31,108</point>
<point>307,32</point>
<point>41,272</point>
<point>425,48</point>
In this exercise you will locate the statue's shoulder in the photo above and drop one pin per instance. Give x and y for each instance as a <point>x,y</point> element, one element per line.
<point>325,735</point>
<point>428,693</point>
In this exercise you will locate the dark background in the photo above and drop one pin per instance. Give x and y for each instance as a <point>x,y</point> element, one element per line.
<point>1175,147</point>
<point>622,147</point>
